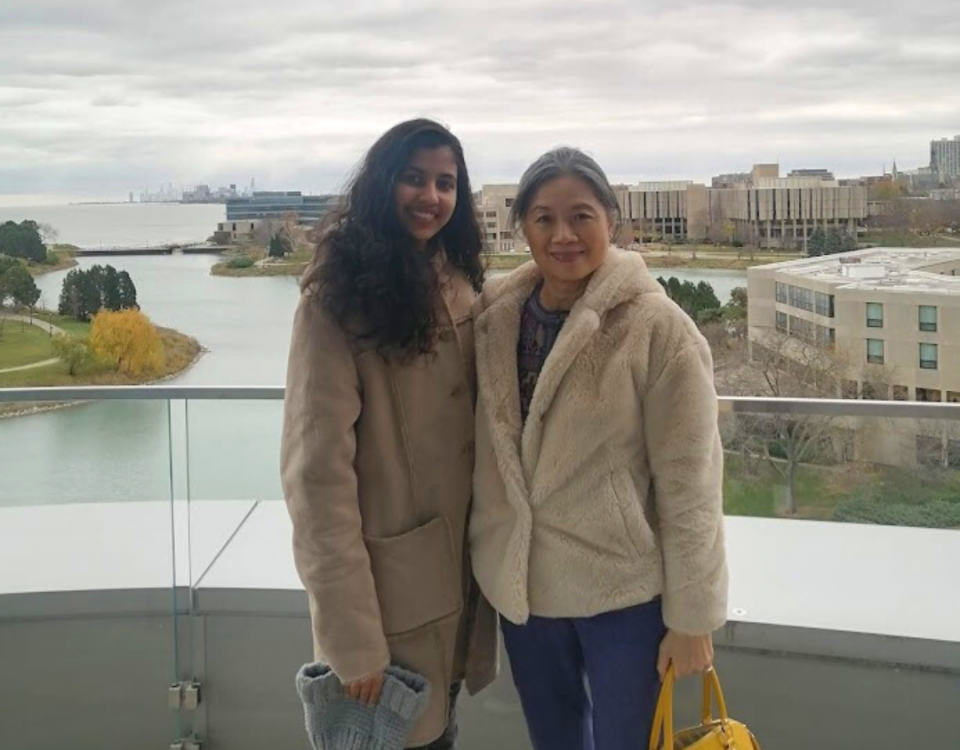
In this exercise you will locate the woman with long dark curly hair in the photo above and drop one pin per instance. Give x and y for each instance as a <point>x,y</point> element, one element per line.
<point>378,436</point>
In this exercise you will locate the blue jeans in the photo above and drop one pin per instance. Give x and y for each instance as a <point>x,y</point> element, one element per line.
<point>613,655</point>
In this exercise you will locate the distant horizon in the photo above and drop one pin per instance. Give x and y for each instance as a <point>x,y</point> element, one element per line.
<point>51,200</point>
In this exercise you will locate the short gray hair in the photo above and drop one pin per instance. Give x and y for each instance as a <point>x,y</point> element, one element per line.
<point>565,161</point>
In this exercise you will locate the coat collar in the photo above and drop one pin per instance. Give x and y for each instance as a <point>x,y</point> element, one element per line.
<point>622,277</point>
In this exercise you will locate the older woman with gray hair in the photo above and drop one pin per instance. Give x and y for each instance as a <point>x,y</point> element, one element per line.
<point>597,525</point>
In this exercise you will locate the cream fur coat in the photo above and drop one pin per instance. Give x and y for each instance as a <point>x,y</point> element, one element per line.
<point>611,493</point>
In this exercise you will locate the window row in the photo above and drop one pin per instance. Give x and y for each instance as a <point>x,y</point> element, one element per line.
<point>806,299</point>
<point>805,330</point>
<point>929,354</point>
<point>927,317</point>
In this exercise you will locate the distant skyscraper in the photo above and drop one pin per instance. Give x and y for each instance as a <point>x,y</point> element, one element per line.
<point>945,157</point>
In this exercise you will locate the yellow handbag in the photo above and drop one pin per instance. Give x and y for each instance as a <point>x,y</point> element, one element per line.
<point>721,734</point>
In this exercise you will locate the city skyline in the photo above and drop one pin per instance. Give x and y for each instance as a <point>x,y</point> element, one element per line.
<point>102,98</point>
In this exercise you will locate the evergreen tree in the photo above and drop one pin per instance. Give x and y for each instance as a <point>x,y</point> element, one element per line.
<point>22,241</point>
<point>128,292</point>
<point>111,289</point>
<point>19,285</point>
<point>277,247</point>
<point>817,243</point>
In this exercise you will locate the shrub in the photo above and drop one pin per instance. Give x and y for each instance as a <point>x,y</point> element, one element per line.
<point>241,261</point>
<point>938,514</point>
<point>128,341</point>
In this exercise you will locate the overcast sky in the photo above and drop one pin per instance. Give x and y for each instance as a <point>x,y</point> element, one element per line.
<point>101,97</point>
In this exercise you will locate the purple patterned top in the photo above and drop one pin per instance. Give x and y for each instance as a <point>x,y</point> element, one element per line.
<point>539,329</point>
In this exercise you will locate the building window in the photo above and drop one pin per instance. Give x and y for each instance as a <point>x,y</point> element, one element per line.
<point>509,202</point>
<point>781,292</point>
<point>929,451</point>
<point>801,298</point>
<point>874,315</point>
<point>825,304</point>
<point>874,392</point>
<point>781,321</point>
<point>928,318</point>
<point>928,356</point>
<point>901,393</point>
<point>801,329</point>
<point>953,454</point>
<point>931,395</point>
<point>825,336</point>
<point>875,351</point>
<point>849,389</point>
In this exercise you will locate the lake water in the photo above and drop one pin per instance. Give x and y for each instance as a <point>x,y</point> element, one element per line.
<point>124,224</point>
<point>118,451</point>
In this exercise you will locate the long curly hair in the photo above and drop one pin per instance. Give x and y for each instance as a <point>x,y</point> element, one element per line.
<point>369,276</point>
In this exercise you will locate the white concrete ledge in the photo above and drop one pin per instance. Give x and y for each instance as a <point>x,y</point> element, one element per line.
<point>824,589</point>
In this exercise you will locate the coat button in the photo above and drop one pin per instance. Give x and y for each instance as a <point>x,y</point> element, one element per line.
<point>457,390</point>
<point>470,448</point>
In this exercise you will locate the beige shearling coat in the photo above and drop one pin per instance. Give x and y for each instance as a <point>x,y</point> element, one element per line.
<point>377,463</point>
<point>611,493</point>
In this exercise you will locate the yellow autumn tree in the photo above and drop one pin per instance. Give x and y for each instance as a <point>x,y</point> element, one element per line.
<point>127,340</point>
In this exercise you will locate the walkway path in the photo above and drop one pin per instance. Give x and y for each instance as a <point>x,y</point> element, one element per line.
<point>49,327</point>
<point>45,363</point>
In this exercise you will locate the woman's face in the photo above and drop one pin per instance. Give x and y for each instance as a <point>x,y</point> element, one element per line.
<point>568,230</point>
<point>426,193</point>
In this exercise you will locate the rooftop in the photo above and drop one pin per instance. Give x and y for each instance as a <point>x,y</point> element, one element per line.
<point>890,269</point>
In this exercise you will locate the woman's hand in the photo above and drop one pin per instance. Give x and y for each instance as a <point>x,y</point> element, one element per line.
<point>690,654</point>
<point>366,690</point>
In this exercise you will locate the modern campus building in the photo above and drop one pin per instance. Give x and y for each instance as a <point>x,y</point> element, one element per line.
<point>245,213</point>
<point>759,208</point>
<point>893,313</point>
<point>274,204</point>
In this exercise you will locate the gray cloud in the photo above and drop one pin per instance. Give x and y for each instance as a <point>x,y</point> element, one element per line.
<point>112,95</point>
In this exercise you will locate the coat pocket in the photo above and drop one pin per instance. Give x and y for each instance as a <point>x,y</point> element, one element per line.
<point>417,577</point>
<point>631,511</point>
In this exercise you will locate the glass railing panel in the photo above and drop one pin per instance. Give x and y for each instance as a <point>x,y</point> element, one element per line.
<point>87,531</point>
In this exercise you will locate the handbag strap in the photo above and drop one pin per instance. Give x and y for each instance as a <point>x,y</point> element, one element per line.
<point>711,688</point>
<point>663,717</point>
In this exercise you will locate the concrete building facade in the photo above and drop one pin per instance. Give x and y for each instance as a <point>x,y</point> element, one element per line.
<point>760,207</point>
<point>665,210</point>
<point>493,213</point>
<point>764,209</point>
<point>893,316</point>
<point>231,231</point>
<point>778,212</point>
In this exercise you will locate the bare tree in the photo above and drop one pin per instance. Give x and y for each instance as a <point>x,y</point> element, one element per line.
<point>780,366</point>
<point>265,231</point>
<point>48,233</point>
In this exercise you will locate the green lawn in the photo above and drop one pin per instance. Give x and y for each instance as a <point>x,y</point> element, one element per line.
<point>758,490</point>
<point>22,344</point>
<point>910,239</point>
<point>71,326</point>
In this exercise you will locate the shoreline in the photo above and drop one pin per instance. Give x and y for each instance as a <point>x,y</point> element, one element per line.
<point>511,261</point>
<point>43,408</point>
